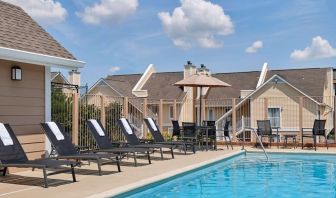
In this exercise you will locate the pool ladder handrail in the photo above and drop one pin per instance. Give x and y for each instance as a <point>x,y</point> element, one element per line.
<point>255,132</point>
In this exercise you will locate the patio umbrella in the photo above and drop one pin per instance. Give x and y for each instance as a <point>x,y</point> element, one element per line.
<point>201,80</point>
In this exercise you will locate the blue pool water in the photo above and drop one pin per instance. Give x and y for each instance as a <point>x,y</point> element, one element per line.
<point>284,175</point>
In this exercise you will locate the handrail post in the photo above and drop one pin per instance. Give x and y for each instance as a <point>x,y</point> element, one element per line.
<point>243,128</point>
<point>145,116</point>
<point>234,120</point>
<point>102,110</point>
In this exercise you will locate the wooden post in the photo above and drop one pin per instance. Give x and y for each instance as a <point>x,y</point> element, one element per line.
<point>265,108</point>
<point>234,119</point>
<point>175,110</point>
<point>161,115</point>
<point>300,117</point>
<point>193,104</point>
<point>125,107</point>
<point>75,119</point>
<point>144,108</point>
<point>102,110</point>
<point>203,110</point>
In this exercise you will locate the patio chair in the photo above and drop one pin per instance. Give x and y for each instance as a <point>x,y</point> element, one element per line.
<point>105,145</point>
<point>176,129</point>
<point>317,130</point>
<point>66,150</point>
<point>158,138</point>
<point>134,141</point>
<point>265,130</point>
<point>226,134</point>
<point>13,155</point>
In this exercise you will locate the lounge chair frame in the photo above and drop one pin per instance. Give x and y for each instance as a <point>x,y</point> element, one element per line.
<point>14,156</point>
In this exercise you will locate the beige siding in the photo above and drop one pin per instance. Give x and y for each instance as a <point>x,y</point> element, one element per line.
<point>286,98</point>
<point>22,105</point>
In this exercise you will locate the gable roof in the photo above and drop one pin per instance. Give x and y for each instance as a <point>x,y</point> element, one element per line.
<point>20,32</point>
<point>54,75</point>
<point>123,84</point>
<point>161,85</point>
<point>310,81</point>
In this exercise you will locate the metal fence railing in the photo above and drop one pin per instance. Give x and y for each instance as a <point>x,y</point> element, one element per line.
<point>290,114</point>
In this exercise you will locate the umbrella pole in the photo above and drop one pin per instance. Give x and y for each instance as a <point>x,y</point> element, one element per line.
<point>200,116</point>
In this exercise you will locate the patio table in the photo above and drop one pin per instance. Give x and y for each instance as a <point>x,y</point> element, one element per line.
<point>201,130</point>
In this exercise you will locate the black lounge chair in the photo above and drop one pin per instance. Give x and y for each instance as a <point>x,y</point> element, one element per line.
<point>133,140</point>
<point>105,145</point>
<point>13,155</point>
<point>265,130</point>
<point>158,138</point>
<point>66,150</point>
<point>317,130</point>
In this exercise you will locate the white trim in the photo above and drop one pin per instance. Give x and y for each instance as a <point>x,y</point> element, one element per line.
<point>169,111</point>
<point>262,76</point>
<point>39,59</point>
<point>102,80</point>
<point>137,89</point>
<point>47,103</point>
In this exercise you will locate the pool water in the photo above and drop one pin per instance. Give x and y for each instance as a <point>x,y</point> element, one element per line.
<point>284,175</point>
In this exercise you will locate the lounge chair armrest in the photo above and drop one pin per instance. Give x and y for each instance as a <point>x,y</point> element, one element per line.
<point>23,165</point>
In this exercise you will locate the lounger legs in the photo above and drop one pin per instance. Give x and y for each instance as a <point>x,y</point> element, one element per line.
<point>73,173</point>
<point>172,152</point>
<point>4,171</point>
<point>161,153</point>
<point>118,164</point>
<point>45,177</point>
<point>135,159</point>
<point>149,158</point>
<point>99,166</point>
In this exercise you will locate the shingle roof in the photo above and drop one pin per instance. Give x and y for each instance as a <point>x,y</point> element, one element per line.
<point>311,81</point>
<point>160,85</point>
<point>123,84</point>
<point>19,31</point>
<point>238,81</point>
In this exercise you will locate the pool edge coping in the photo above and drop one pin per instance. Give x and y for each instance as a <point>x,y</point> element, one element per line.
<point>144,182</point>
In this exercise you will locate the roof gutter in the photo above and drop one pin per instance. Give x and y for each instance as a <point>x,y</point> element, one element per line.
<point>39,59</point>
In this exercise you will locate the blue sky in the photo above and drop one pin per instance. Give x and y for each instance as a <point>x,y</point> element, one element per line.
<point>126,35</point>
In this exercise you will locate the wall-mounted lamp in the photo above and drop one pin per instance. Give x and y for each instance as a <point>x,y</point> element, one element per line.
<point>16,73</point>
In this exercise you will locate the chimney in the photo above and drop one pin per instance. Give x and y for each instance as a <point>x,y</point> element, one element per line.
<point>74,77</point>
<point>189,69</point>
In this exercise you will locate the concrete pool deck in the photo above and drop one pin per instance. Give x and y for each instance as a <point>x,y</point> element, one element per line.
<point>28,183</point>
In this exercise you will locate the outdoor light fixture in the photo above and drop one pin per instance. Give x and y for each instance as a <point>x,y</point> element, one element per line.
<point>16,73</point>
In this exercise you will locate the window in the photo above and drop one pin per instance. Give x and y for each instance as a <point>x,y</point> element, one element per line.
<point>274,116</point>
<point>171,112</point>
<point>211,115</point>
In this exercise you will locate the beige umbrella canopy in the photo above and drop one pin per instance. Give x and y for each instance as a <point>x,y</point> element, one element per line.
<point>201,80</point>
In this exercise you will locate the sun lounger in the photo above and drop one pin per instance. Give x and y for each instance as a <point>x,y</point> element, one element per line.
<point>133,140</point>
<point>66,150</point>
<point>13,155</point>
<point>158,138</point>
<point>105,145</point>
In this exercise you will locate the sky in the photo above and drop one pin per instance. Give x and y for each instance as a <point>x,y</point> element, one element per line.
<point>125,36</point>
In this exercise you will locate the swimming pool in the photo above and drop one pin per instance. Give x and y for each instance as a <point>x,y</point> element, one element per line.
<point>284,175</point>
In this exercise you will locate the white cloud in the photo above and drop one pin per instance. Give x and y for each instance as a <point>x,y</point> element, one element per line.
<point>114,69</point>
<point>196,21</point>
<point>108,11</point>
<point>254,47</point>
<point>47,12</point>
<point>319,48</point>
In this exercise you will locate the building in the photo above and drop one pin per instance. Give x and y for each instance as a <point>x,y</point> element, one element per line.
<point>27,49</point>
<point>278,95</point>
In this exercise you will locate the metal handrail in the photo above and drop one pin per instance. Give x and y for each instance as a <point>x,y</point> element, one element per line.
<point>261,144</point>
